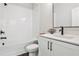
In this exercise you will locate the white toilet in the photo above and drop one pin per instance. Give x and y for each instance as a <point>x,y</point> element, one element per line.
<point>32,49</point>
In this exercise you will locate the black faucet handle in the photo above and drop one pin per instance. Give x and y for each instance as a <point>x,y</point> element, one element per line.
<point>2,32</point>
<point>3,37</point>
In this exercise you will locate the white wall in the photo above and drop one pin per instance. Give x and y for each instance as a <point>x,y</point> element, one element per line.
<point>17,24</point>
<point>35,20</point>
<point>46,19</point>
<point>42,18</point>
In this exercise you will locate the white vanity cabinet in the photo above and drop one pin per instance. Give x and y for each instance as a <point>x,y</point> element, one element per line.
<point>64,49</point>
<point>50,47</point>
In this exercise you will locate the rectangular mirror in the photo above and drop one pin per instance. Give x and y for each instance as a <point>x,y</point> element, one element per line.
<point>66,14</point>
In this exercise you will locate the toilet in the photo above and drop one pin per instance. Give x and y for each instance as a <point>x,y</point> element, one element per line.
<point>32,49</point>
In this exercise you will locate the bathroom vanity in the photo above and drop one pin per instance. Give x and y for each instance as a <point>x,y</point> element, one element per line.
<point>58,45</point>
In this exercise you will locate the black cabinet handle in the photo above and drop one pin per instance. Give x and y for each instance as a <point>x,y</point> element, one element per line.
<point>48,45</point>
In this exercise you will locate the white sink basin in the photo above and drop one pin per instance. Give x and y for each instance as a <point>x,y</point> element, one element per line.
<point>66,36</point>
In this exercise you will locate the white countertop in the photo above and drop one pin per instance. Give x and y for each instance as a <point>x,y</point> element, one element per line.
<point>74,39</point>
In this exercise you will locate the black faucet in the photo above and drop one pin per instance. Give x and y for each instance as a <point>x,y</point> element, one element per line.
<point>62,30</point>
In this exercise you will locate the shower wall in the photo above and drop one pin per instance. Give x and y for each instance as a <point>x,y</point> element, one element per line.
<point>16,22</point>
<point>22,23</point>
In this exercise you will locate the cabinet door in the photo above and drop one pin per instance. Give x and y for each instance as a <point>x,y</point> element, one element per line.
<point>44,46</point>
<point>64,49</point>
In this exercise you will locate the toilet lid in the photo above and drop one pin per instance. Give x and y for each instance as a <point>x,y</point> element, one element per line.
<point>32,46</point>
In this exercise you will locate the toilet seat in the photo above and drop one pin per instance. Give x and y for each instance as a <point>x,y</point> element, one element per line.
<point>32,48</point>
